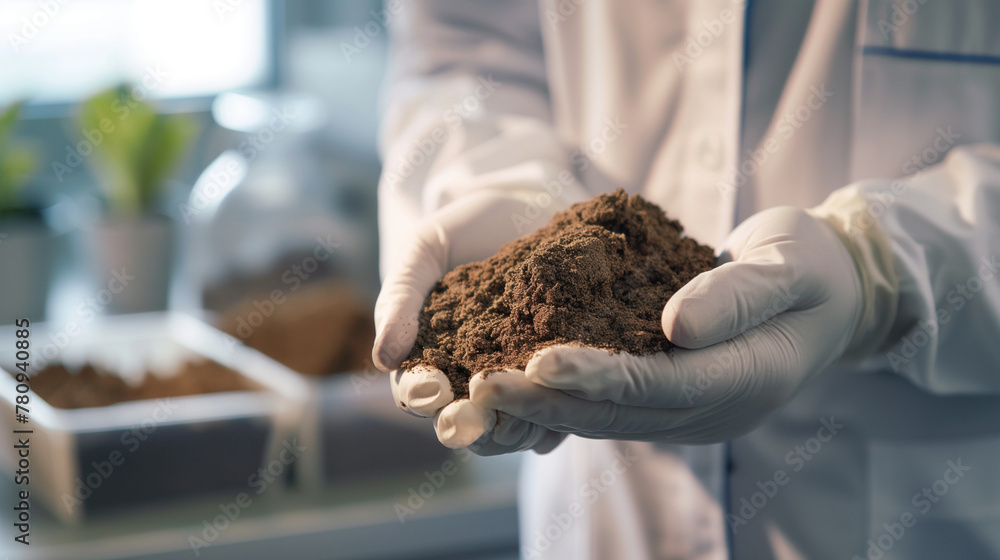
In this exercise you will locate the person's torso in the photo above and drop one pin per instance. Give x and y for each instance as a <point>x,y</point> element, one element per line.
<point>672,99</point>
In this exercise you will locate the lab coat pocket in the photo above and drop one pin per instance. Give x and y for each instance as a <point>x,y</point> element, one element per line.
<point>934,499</point>
<point>927,78</point>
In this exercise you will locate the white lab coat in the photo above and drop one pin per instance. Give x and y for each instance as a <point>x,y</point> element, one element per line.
<point>894,458</point>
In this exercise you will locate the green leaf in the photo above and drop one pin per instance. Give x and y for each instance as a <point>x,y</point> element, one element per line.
<point>18,162</point>
<point>169,140</point>
<point>137,148</point>
<point>8,119</point>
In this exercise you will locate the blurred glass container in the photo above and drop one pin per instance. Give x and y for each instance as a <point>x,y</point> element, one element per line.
<point>277,210</point>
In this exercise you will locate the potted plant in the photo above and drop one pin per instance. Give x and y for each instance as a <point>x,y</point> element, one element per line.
<point>135,150</point>
<point>27,244</point>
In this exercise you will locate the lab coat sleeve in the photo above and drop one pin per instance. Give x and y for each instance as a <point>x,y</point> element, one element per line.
<point>466,110</point>
<point>928,248</point>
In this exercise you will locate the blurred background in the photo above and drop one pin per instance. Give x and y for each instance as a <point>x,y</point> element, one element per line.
<point>188,224</point>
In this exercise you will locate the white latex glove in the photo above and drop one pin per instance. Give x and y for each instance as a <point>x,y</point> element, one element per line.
<point>787,302</point>
<point>469,229</point>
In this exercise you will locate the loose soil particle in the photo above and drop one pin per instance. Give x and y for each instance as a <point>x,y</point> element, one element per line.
<point>598,274</point>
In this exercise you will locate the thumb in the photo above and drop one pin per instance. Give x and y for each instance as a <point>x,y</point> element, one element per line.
<point>725,302</point>
<point>774,254</point>
<point>401,298</point>
<point>758,284</point>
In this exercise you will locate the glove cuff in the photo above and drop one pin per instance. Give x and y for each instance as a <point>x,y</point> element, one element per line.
<point>847,211</point>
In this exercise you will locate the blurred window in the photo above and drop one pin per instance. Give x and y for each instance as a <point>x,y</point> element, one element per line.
<point>59,51</point>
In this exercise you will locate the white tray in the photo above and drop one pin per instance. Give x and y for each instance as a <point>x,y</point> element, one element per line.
<point>193,445</point>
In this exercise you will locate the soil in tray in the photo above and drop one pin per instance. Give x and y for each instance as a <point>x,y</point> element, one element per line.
<point>598,274</point>
<point>91,386</point>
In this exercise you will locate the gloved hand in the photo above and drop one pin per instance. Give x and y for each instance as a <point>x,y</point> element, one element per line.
<point>795,293</point>
<point>468,229</point>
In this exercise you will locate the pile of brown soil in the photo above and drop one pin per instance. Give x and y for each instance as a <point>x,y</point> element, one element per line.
<point>320,329</point>
<point>92,386</point>
<point>598,274</point>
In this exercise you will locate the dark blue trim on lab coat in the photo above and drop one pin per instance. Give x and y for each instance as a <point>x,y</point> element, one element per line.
<point>931,55</point>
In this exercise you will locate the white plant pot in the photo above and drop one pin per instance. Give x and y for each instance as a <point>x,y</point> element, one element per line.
<point>134,258</point>
<point>27,257</point>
